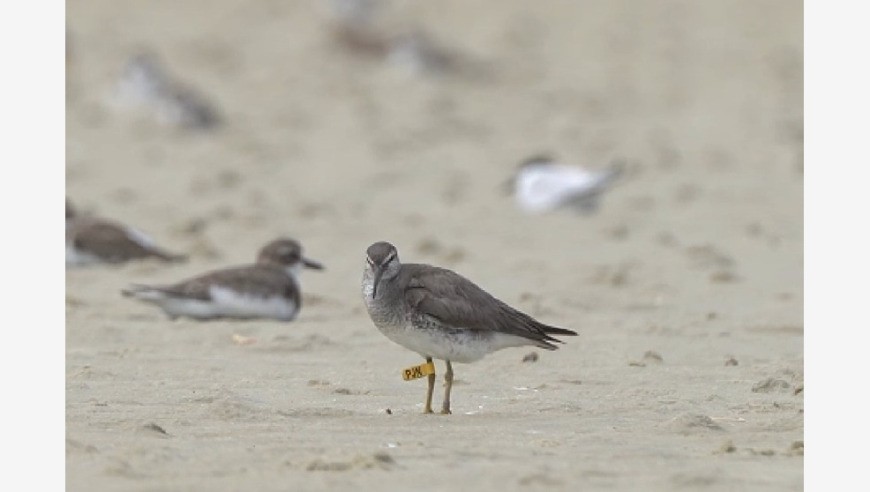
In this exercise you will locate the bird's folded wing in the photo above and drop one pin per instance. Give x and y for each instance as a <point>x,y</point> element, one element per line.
<point>253,281</point>
<point>459,303</point>
<point>105,239</point>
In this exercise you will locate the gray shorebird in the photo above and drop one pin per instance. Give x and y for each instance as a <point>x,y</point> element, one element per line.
<point>92,240</point>
<point>146,83</point>
<point>267,289</point>
<point>542,184</point>
<point>358,28</point>
<point>442,315</point>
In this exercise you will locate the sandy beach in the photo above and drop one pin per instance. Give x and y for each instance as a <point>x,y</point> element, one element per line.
<point>686,286</point>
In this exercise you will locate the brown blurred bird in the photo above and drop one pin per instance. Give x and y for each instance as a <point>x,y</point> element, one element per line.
<point>92,240</point>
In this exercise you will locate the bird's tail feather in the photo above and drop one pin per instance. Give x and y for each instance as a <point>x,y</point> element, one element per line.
<point>143,292</point>
<point>553,330</point>
<point>169,257</point>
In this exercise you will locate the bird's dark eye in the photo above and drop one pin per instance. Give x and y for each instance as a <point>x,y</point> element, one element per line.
<point>290,256</point>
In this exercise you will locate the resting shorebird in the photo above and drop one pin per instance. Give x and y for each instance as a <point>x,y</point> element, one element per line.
<point>267,289</point>
<point>358,28</point>
<point>146,83</point>
<point>541,185</point>
<point>441,314</point>
<point>91,240</point>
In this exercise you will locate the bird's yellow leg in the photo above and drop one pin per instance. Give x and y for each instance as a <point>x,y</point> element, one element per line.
<point>448,383</point>
<point>428,408</point>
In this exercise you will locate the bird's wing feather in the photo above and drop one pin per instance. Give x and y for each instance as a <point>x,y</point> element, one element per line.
<point>247,280</point>
<point>115,242</point>
<point>459,303</point>
<point>107,240</point>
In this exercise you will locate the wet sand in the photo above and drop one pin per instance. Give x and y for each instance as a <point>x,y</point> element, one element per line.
<point>686,287</point>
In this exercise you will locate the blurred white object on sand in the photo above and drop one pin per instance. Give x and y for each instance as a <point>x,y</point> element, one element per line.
<point>541,184</point>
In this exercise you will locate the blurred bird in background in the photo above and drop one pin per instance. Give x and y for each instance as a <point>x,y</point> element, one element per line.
<point>145,83</point>
<point>93,240</point>
<point>542,184</point>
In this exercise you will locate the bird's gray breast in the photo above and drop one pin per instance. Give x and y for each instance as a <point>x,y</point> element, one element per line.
<point>386,309</point>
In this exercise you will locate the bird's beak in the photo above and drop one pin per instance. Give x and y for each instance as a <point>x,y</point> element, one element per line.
<point>378,272</point>
<point>311,264</point>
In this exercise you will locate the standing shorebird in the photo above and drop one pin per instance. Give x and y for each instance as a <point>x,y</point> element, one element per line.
<point>541,184</point>
<point>441,314</point>
<point>91,240</point>
<point>267,289</point>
